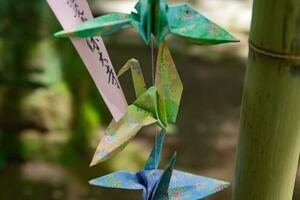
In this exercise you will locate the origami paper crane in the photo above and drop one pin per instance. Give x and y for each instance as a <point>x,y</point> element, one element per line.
<point>158,18</point>
<point>164,184</point>
<point>158,104</point>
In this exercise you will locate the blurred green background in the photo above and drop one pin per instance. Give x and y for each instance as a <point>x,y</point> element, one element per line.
<point>52,116</point>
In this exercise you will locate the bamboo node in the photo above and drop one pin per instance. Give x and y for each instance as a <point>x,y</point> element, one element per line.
<point>277,55</point>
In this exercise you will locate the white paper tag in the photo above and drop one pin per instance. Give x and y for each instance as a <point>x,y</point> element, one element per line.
<point>93,53</point>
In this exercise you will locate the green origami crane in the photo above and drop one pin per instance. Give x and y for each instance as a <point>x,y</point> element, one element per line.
<point>158,18</point>
<point>158,104</point>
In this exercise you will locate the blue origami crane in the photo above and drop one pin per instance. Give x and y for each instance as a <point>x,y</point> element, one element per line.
<point>164,184</point>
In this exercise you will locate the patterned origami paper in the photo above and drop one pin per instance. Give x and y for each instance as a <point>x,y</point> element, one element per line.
<point>164,184</point>
<point>158,18</point>
<point>159,104</point>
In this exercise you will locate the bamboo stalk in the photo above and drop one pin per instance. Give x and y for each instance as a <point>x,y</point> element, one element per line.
<point>269,138</point>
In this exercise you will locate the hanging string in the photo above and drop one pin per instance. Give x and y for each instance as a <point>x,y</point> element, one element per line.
<point>153,82</point>
<point>152,62</point>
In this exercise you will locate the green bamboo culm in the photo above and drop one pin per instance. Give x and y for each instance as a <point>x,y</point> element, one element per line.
<point>269,137</point>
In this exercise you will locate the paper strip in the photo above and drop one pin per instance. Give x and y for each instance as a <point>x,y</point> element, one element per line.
<point>93,53</point>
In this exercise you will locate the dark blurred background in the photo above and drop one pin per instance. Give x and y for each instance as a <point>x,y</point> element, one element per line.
<point>52,116</point>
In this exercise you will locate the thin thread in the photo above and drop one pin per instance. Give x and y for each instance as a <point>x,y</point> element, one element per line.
<point>152,62</point>
<point>153,82</point>
<point>155,149</point>
<point>272,54</point>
